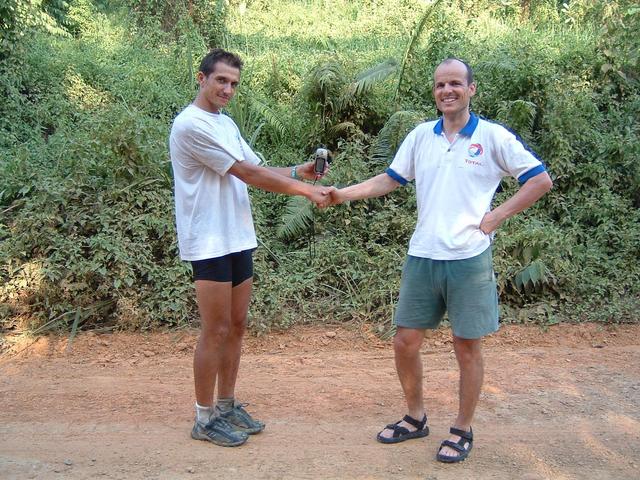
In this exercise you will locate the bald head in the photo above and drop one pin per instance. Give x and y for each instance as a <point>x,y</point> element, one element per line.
<point>466,66</point>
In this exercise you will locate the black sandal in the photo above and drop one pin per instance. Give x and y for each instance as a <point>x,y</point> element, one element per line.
<point>400,434</point>
<point>459,446</point>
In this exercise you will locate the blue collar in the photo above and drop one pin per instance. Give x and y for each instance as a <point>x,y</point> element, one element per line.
<point>468,129</point>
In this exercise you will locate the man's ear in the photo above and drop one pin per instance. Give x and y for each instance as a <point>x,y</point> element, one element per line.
<point>472,88</point>
<point>200,77</point>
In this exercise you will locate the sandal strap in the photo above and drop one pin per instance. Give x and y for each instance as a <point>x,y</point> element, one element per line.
<point>419,424</point>
<point>398,430</point>
<point>455,445</point>
<point>462,434</point>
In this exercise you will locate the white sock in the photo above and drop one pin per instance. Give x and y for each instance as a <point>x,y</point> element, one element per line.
<point>203,414</point>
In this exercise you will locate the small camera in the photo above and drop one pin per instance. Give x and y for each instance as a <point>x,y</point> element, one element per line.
<point>322,157</point>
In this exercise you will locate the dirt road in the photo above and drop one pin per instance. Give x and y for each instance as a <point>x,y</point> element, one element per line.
<point>557,404</point>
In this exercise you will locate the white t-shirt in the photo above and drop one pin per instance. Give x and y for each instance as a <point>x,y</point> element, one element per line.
<point>455,183</point>
<point>213,213</point>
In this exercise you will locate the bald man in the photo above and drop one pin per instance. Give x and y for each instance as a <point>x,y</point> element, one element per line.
<point>457,163</point>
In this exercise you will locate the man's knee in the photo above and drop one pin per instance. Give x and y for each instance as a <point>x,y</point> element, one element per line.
<point>238,326</point>
<point>215,332</point>
<point>407,341</point>
<point>468,351</point>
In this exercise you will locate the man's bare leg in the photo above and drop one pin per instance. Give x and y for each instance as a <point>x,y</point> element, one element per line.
<point>230,360</point>
<point>406,345</point>
<point>215,305</point>
<point>471,364</point>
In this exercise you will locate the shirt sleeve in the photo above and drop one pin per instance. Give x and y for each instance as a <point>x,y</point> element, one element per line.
<point>518,159</point>
<point>402,168</point>
<point>206,149</point>
<point>249,154</point>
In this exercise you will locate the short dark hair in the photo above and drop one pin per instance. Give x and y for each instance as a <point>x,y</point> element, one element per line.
<point>466,65</point>
<point>208,63</point>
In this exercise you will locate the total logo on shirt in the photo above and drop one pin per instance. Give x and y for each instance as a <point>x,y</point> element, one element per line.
<point>475,150</point>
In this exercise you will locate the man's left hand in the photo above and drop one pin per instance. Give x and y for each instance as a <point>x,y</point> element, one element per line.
<point>490,222</point>
<point>307,171</point>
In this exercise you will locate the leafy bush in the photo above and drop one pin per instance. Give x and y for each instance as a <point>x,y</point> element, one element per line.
<point>87,235</point>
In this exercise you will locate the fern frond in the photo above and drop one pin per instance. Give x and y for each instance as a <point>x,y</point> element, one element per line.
<point>251,114</point>
<point>270,116</point>
<point>297,218</point>
<point>341,128</point>
<point>393,133</point>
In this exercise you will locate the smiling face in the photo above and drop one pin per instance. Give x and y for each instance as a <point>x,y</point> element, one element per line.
<point>218,88</point>
<point>451,88</point>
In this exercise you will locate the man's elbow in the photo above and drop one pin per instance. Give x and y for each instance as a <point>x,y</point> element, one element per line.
<point>245,171</point>
<point>546,183</point>
<point>541,183</point>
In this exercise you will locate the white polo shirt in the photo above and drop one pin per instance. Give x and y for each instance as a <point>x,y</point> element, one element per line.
<point>213,213</point>
<point>456,182</point>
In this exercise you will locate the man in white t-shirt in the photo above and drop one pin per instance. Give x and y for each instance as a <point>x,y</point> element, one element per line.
<point>212,166</point>
<point>457,163</point>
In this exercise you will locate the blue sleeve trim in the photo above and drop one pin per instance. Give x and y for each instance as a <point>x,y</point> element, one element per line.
<point>531,173</point>
<point>396,177</point>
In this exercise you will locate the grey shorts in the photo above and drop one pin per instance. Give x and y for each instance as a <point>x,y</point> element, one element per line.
<point>465,289</point>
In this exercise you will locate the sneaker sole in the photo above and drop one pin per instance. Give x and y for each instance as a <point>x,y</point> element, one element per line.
<point>237,443</point>
<point>250,431</point>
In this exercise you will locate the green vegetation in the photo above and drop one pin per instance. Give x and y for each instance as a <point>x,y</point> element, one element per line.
<point>90,88</point>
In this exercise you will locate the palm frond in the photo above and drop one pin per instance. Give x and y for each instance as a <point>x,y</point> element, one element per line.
<point>325,83</point>
<point>367,79</point>
<point>297,218</point>
<point>329,76</point>
<point>413,41</point>
<point>243,115</point>
<point>393,133</point>
<point>499,65</point>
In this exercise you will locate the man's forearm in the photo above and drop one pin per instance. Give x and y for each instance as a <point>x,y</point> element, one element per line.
<point>528,194</point>
<point>284,171</point>
<point>271,179</point>
<point>374,187</point>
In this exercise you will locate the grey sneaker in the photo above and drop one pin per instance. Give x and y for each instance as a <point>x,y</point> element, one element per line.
<point>220,432</point>
<point>240,419</point>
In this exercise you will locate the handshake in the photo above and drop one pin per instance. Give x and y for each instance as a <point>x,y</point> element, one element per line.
<point>321,195</point>
<point>324,196</point>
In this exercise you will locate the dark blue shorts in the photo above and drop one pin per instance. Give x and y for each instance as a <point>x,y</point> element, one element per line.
<point>234,267</point>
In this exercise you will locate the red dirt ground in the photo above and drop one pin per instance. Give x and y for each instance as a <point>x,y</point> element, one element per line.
<point>562,403</point>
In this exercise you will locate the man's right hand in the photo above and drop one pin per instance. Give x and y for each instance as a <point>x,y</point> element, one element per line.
<point>337,197</point>
<point>320,195</point>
